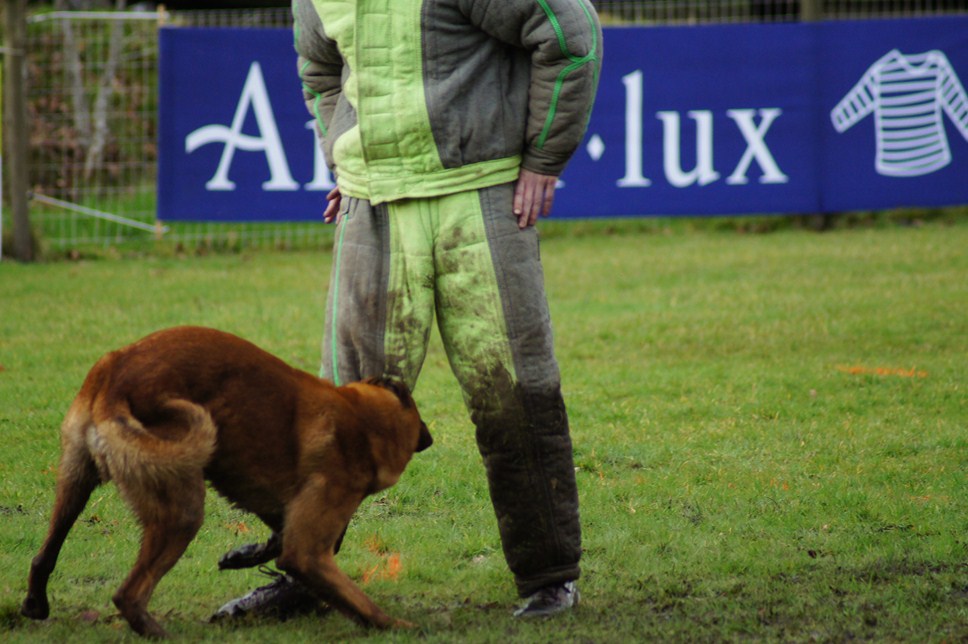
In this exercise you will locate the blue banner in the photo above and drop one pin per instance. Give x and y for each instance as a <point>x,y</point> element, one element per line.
<point>709,120</point>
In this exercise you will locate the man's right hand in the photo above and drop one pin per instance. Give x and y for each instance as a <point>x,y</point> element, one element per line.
<point>533,195</point>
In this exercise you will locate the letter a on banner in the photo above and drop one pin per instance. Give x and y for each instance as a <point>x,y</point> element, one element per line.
<point>254,97</point>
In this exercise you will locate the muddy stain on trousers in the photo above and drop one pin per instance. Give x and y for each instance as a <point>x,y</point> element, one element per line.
<point>463,259</point>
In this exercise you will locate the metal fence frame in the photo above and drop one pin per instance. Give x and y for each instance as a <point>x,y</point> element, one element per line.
<point>102,67</point>
<point>678,12</point>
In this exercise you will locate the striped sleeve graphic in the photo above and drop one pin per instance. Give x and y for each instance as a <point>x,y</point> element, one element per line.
<point>908,96</point>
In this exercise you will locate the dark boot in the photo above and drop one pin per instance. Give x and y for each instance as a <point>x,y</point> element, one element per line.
<point>282,599</point>
<point>252,554</point>
<point>550,600</point>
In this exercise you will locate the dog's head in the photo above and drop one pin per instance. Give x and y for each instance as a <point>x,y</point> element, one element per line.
<point>402,392</point>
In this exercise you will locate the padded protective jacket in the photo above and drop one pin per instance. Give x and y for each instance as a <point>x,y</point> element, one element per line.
<point>419,98</point>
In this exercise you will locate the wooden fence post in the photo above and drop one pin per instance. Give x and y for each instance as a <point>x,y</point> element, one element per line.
<point>812,11</point>
<point>17,130</point>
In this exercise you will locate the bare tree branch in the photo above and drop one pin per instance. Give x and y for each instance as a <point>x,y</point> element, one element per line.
<point>105,90</point>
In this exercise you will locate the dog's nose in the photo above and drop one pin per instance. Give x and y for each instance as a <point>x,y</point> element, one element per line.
<point>425,440</point>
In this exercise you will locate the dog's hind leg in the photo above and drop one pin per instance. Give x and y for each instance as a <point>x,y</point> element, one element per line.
<point>163,483</point>
<point>77,477</point>
<point>170,516</point>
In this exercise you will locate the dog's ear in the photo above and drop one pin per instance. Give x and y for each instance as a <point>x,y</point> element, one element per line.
<point>397,386</point>
<point>425,440</point>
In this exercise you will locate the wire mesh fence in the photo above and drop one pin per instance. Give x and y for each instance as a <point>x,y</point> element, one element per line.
<point>664,12</point>
<point>93,112</point>
<point>93,109</point>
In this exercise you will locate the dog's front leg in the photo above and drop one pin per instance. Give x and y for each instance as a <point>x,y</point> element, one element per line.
<point>315,521</point>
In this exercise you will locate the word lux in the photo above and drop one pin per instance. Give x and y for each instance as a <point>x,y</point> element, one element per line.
<point>703,173</point>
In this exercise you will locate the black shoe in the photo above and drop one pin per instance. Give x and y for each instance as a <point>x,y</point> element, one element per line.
<point>550,600</point>
<point>251,555</point>
<point>283,598</point>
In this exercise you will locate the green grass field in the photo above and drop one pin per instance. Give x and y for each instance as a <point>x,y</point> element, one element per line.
<point>771,433</point>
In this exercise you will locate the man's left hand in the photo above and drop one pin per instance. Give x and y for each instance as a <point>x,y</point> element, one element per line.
<point>534,195</point>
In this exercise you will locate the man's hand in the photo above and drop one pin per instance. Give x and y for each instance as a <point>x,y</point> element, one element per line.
<point>332,208</point>
<point>533,195</point>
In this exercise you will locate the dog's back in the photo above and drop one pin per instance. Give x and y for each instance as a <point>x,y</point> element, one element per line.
<point>139,415</point>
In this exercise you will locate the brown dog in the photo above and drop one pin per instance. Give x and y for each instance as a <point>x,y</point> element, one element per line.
<point>188,404</point>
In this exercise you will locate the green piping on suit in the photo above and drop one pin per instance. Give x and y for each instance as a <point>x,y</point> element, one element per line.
<point>577,61</point>
<point>334,336</point>
<point>306,88</point>
<point>317,97</point>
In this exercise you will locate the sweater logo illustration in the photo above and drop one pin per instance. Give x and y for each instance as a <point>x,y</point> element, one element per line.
<point>908,95</point>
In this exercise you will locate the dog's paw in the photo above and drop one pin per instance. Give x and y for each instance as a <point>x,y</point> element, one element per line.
<point>402,623</point>
<point>35,607</point>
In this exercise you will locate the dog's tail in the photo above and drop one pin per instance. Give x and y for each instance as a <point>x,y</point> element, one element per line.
<point>179,442</point>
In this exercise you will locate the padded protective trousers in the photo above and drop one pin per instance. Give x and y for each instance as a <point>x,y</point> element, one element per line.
<point>463,258</point>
